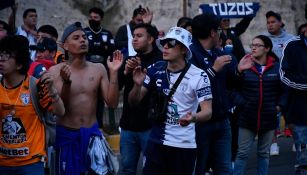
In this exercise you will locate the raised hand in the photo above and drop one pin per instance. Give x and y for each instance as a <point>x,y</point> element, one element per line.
<point>65,73</point>
<point>246,63</point>
<point>116,62</point>
<point>131,64</point>
<point>220,62</point>
<point>139,75</point>
<point>147,16</point>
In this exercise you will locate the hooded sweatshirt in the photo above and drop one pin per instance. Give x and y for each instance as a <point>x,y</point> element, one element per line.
<point>279,42</point>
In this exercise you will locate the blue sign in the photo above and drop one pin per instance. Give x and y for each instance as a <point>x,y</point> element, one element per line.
<point>231,9</point>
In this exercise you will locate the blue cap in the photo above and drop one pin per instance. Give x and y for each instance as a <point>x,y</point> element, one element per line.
<point>45,44</point>
<point>70,29</point>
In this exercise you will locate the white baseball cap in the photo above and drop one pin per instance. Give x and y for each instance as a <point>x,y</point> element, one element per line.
<point>179,34</point>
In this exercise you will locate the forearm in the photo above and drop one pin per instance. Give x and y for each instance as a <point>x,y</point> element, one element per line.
<point>65,92</point>
<point>113,95</point>
<point>12,19</point>
<point>135,95</point>
<point>202,116</point>
<point>57,104</point>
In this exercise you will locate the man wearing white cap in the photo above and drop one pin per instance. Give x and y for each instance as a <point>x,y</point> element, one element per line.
<point>171,148</point>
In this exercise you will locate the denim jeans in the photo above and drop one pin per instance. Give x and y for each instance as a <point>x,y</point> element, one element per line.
<point>245,142</point>
<point>31,169</point>
<point>300,140</point>
<point>131,145</point>
<point>214,147</point>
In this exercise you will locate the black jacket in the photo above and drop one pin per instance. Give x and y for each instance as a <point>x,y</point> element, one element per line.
<point>294,74</point>
<point>121,38</point>
<point>257,96</point>
<point>221,81</point>
<point>135,118</point>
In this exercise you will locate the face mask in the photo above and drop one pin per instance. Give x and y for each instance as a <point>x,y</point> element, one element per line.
<point>94,24</point>
<point>228,48</point>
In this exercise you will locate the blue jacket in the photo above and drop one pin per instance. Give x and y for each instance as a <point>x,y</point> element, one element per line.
<point>221,81</point>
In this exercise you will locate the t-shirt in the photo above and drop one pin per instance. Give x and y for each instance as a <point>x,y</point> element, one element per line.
<point>100,44</point>
<point>22,134</point>
<point>193,89</point>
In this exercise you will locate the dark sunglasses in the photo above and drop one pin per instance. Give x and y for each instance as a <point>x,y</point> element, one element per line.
<point>170,43</point>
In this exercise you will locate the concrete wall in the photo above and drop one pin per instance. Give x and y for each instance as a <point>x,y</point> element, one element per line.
<point>166,12</point>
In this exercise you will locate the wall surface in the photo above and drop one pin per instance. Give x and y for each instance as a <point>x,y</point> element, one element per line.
<point>166,12</point>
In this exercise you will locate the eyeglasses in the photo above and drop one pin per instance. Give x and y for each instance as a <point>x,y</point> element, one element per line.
<point>255,46</point>
<point>4,56</point>
<point>170,43</point>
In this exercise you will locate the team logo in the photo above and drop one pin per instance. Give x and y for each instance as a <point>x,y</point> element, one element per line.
<point>25,98</point>
<point>281,45</point>
<point>104,38</point>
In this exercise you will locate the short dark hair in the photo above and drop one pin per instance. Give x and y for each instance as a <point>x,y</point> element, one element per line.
<point>203,24</point>
<point>271,13</point>
<point>97,10</point>
<point>138,11</point>
<point>25,13</point>
<point>19,46</point>
<point>267,44</point>
<point>151,30</point>
<point>300,28</point>
<point>6,27</point>
<point>48,29</point>
<point>184,22</point>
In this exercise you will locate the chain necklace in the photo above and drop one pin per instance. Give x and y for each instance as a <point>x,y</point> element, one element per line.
<point>95,31</point>
<point>13,111</point>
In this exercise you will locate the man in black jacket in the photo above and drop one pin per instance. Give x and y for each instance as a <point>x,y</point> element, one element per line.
<point>134,122</point>
<point>214,136</point>
<point>293,73</point>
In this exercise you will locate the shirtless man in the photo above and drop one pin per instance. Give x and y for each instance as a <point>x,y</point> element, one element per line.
<point>80,82</point>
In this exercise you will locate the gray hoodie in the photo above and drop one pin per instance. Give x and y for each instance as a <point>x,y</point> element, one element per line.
<point>279,42</point>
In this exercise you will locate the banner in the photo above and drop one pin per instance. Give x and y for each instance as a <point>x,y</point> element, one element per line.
<point>231,9</point>
<point>6,3</point>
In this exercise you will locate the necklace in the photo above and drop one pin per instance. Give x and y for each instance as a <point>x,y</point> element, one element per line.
<point>12,105</point>
<point>94,31</point>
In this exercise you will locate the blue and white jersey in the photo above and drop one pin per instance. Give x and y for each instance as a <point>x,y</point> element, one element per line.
<point>193,89</point>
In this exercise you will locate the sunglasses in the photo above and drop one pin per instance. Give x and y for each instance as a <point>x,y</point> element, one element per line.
<point>170,43</point>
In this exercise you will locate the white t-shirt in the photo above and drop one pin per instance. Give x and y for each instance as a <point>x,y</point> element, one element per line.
<point>193,89</point>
